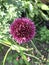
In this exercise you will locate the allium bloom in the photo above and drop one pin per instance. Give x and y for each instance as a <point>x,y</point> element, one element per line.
<point>22,30</point>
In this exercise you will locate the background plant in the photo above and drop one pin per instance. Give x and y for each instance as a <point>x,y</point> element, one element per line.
<point>36,11</point>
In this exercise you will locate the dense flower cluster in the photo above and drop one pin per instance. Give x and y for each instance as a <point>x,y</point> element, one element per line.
<point>22,30</point>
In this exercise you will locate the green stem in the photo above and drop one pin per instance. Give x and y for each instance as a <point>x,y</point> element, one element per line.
<point>33,56</point>
<point>6,55</point>
<point>5,44</point>
<point>36,48</point>
<point>24,57</point>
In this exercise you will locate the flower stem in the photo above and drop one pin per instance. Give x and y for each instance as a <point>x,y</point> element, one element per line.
<point>33,56</point>
<point>6,55</point>
<point>24,57</point>
<point>36,48</point>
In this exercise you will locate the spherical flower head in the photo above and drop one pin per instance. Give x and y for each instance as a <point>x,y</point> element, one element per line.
<point>22,30</point>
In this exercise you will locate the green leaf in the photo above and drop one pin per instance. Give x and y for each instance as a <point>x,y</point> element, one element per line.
<point>45,17</point>
<point>14,45</point>
<point>43,6</point>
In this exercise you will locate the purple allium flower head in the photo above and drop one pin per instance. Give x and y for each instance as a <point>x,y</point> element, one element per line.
<point>22,30</point>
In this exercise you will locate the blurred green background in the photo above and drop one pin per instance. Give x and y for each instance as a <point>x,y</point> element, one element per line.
<point>37,11</point>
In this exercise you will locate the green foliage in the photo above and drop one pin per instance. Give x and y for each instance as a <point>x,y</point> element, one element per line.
<point>44,33</point>
<point>36,11</point>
